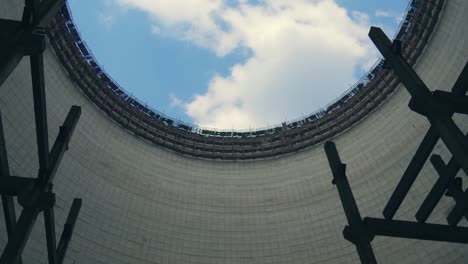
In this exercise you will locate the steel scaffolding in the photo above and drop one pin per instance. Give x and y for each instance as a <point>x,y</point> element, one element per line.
<point>438,107</point>
<point>35,195</point>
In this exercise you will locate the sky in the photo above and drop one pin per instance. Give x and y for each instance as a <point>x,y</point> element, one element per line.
<point>235,64</point>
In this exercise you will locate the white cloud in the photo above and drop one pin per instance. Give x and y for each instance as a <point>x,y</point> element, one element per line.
<point>303,53</point>
<point>175,101</point>
<point>106,20</point>
<point>383,13</point>
<point>156,30</point>
<point>398,17</point>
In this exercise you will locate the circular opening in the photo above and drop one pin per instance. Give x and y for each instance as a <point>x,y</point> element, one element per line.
<point>235,64</point>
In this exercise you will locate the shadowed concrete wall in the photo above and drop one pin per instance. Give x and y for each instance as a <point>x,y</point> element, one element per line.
<point>143,204</point>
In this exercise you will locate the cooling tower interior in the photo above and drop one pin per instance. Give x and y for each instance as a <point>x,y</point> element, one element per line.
<point>156,190</point>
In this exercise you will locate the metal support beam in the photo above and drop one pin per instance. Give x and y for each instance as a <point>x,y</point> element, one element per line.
<point>438,114</point>
<point>409,176</point>
<point>46,10</point>
<point>446,174</point>
<point>356,232</point>
<point>454,140</point>
<point>18,39</point>
<point>8,27</point>
<point>461,85</point>
<point>14,185</point>
<point>14,52</point>
<point>68,230</point>
<point>454,187</point>
<point>414,230</point>
<point>49,221</point>
<point>402,69</point>
<point>61,143</point>
<point>40,112</point>
<point>455,190</point>
<point>456,103</point>
<point>7,201</point>
<point>441,123</point>
<point>460,209</point>
<point>422,98</point>
<point>56,154</point>
<point>38,199</point>
<point>16,244</point>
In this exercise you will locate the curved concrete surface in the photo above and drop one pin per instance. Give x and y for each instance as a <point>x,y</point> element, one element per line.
<point>144,204</point>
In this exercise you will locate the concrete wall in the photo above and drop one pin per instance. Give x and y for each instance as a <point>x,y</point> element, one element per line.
<point>142,204</point>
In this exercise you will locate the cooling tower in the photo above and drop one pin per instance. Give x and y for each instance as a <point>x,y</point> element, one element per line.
<point>158,191</point>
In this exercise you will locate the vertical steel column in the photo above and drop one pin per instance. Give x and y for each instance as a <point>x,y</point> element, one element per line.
<point>356,232</point>
<point>42,137</point>
<point>7,201</point>
<point>49,221</point>
<point>40,111</point>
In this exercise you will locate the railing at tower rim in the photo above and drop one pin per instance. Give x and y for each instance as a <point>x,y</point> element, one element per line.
<point>363,96</point>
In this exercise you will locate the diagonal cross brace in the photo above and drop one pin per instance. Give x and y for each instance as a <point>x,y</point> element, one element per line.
<point>68,230</point>
<point>61,144</point>
<point>32,201</point>
<point>424,101</point>
<point>446,174</point>
<point>417,88</point>
<point>460,209</point>
<point>459,196</point>
<point>402,69</point>
<point>14,51</point>
<point>409,176</point>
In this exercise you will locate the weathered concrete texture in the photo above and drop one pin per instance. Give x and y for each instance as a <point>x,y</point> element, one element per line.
<point>142,204</point>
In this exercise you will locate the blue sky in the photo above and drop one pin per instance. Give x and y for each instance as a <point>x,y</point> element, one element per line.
<point>202,67</point>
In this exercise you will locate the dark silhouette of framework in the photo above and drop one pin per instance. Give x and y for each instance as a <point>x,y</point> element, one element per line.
<point>438,107</point>
<point>19,39</point>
